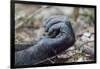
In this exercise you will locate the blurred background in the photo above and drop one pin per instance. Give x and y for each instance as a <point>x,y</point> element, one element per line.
<point>28,29</point>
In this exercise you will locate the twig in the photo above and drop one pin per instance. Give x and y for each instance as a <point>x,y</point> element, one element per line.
<point>51,61</point>
<point>28,19</point>
<point>45,60</point>
<point>84,44</point>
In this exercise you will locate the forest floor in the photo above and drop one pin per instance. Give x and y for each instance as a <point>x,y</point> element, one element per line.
<point>29,19</point>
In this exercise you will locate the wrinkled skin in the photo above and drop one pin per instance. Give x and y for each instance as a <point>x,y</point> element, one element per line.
<point>60,37</point>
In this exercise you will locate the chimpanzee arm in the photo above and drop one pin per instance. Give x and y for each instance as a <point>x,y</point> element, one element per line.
<point>19,47</point>
<point>47,47</point>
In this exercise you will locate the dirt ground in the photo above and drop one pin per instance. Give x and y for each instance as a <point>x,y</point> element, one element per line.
<point>28,28</point>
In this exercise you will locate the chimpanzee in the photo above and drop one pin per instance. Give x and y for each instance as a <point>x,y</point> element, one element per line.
<point>60,36</point>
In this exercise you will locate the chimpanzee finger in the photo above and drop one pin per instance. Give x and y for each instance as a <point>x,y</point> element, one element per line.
<point>54,20</point>
<point>56,29</point>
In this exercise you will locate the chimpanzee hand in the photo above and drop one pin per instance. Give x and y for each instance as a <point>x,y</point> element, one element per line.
<point>60,37</point>
<point>60,34</point>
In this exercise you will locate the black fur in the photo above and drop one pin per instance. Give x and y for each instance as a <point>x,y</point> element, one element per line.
<point>48,46</point>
